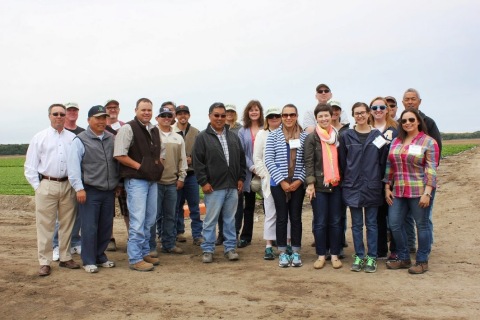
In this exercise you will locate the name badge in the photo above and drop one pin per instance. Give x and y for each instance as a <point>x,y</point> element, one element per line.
<point>116,126</point>
<point>379,142</point>
<point>388,135</point>
<point>294,143</point>
<point>415,150</point>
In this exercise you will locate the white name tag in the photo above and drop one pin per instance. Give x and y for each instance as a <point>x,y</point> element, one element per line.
<point>294,143</point>
<point>415,150</point>
<point>379,142</point>
<point>116,126</point>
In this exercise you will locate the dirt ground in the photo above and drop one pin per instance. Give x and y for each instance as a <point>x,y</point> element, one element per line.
<point>182,287</point>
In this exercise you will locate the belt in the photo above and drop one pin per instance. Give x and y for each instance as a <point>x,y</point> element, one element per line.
<point>54,179</point>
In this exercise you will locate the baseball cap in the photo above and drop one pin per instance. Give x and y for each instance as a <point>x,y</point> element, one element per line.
<point>322,85</point>
<point>97,111</point>
<point>112,101</point>
<point>390,98</point>
<point>182,108</point>
<point>334,103</point>
<point>71,105</point>
<point>230,107</point>
<point>272,110</point>
<point>164,110</point>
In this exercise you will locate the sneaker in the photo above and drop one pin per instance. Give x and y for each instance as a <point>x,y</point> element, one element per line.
<point>112,246</point>
<point>56,254</point>
<point>418,268</point>
<point>142,266</point>
<point>181,237</point>
<point>399,264</point>
<point>198,241</point>
<point>269,255</point>
<point>207,257</point>
<point>175,249</point>
<point>296,260</point>
<point>370,264</point>
<point>392,257</point>
<point>284,260</point>
<point>91,268</point>
<point>76,250</point>
<point>151,260</point>
<point>289,250</point>
<point>242,243</point>
<point>231,255</point>
<point>106,264</point>
<point>358,263</point>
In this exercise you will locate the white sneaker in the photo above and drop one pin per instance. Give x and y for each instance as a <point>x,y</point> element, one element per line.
<point>91,268</point>
<point>76,250</point>
<point>56,254</point>
<point>107,264</point>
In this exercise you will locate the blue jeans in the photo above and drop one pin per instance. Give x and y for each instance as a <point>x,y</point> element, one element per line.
<point>327,221</point>
<point>397,214</point>
<point>357,231</point>
<point>223,201</point>
<point>189,192</point>
<point>97,224</point>
<point>165,218</point>
<point>76,239</point>
<point>142,204</point>
<point>410,230</point>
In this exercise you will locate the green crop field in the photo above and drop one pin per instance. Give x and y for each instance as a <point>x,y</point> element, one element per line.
<point>13,182</point>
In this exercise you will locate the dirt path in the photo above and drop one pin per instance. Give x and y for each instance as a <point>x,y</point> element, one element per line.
<point>184,288</point>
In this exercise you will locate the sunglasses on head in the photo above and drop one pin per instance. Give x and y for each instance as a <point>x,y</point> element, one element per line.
<point>273,116</point>
<point>56,114</point>
<point>375,108</point>
<point>411,120</point>
<point>324,91</point>
<point>218,115</point>
<point>291,115</point>
<point>166,115</point>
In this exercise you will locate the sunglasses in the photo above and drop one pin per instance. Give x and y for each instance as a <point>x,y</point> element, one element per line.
<point>166,115</point>
<point>392,106</point>
<point>324,91</point>
<point>218,115</point>
<point>291,115</point>
<point>411,120</point>
<point>274,116</point>
<point>56,114</point>
<point>375,108</point>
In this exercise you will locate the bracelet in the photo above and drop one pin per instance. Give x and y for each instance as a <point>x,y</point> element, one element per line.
<point>427,194</point>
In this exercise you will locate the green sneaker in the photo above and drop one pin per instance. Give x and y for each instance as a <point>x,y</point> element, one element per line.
<point>358,264</point>
<point>269,255</point>
<point>370,264</point>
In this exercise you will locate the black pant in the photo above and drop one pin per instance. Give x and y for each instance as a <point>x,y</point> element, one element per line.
<point>245,212</point>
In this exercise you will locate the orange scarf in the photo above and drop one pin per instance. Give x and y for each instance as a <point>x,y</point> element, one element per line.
<point>329,142</point>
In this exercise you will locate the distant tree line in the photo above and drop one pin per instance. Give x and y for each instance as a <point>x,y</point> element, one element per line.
<point>465,135</point>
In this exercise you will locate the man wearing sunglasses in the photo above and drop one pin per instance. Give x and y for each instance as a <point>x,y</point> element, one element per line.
<point>219,164</point>
<point>46,171</point>
<point>175,163</point>
<point>392,107</point>
<point>323,95</point>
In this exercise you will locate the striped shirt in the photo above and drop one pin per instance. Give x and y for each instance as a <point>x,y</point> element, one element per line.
<point>410,168</point>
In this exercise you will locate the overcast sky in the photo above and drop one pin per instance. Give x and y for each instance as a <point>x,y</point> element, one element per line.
<point>200,52</point>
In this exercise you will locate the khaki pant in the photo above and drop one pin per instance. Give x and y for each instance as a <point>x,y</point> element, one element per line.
<point>53,197</point>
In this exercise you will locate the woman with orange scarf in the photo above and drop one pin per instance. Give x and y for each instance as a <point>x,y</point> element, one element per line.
<point>322,178</point>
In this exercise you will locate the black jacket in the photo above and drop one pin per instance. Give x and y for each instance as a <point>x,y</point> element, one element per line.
<point>209,162</point>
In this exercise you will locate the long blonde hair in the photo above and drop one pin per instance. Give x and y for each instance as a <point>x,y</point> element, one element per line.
<point>389,120</point>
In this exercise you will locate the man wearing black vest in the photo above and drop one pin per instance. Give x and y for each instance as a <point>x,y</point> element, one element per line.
<point>137,148</point>
<point>94,176</point>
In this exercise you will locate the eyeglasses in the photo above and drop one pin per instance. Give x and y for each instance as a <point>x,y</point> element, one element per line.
<point>274,116</point>
<point>323,91</point>
<point>392,106</point>
<point>112,108</point>
<point>359,114</point>
<point>56,114</point>
<point>375,108</point>
<point>291,115</point>
<point>166,115</point>
<point>411,120</point>
<point>218,115</point>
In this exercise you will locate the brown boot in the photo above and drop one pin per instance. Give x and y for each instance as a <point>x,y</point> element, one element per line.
<point>151,260</point>
<point>419,268</point>
<point>142,266</point>
<point>399,264</point>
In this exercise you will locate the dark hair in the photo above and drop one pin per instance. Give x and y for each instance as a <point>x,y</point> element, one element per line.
<point>215,106</point>
<point>56,105</point>
<point>323,107</point>
<point>291,105</point>
<point>360,104</point>
<point>168,103</point>
<point>143,100</point>
<point>422,127</point>
<point>247,122</point>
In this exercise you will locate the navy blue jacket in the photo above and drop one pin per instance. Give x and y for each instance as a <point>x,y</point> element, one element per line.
<point>362,169</point>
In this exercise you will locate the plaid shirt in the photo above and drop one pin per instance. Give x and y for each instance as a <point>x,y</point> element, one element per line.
<point>223,141</point>
<point>410,173</point>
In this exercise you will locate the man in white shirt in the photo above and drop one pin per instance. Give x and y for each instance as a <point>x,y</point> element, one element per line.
<point>46,171</point>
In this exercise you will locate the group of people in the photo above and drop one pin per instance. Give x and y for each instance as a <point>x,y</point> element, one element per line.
<point>379,168</point>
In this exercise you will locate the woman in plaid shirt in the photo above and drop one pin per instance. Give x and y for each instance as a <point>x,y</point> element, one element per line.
<point>412,171</point>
